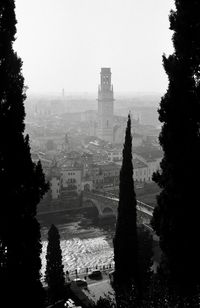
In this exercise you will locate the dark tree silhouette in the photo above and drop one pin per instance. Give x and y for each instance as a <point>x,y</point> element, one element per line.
<point>176,218</point>
<point>125,239</point>
<point>145,255</point>
<point>22,182</point>
<point>104,302</point>
<point>54,275</point>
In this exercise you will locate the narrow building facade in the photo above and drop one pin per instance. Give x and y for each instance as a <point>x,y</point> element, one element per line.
<point>105,106</point>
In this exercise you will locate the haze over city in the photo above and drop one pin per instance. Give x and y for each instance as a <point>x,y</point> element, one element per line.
<point>64,44</point>
<point>99,153</point>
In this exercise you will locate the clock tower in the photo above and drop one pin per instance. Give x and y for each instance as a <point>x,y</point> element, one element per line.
<point>105,106</point>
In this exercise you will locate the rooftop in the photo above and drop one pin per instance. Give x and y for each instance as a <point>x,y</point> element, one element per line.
<point>149,153</point>
<point>138,164</point>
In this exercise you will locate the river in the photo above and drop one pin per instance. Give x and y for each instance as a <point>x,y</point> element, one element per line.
<point>85,242</point>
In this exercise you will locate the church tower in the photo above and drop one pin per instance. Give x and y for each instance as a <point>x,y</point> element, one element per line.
<point>105,106</point>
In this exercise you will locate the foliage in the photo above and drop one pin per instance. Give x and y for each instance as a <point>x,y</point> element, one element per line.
<point>176,218</point>
<point>105,302</point>
<point>54,275</point>
<point>125,239</point>
<point>145,255</point>
<point>161,295</point>
<point>22,183</point>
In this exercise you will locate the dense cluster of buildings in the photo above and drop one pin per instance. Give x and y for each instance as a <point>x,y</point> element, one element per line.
<point>103,123</point>
<point>83,151</point>
<point>72,172</point>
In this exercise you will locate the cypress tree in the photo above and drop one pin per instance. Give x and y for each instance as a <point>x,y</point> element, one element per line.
<point>22,182</point>
<point>176,218</point>
<point>125,239</point>
<point>54,275</point>
<point>145,255</point>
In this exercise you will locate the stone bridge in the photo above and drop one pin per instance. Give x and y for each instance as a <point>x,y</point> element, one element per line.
<point>107,206</point>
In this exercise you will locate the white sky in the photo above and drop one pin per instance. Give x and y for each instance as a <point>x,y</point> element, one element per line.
<point>64,43</point>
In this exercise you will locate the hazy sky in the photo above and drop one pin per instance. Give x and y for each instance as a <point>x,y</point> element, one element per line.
<point>64,43</point>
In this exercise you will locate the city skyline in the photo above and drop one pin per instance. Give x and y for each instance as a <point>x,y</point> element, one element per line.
<point>64,44</point>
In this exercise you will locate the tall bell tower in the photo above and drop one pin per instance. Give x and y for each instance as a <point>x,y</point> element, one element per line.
<point>105,106</point>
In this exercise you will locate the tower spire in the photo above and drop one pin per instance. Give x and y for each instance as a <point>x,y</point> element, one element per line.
<point>105,106</point>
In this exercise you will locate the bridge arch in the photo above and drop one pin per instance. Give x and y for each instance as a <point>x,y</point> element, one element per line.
<point>109,205</point>
<point>108,211</point>
<point>93,204</point>
<point>104,210</point>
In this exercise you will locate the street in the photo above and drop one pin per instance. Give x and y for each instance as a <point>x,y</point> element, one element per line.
<point>99,289</point>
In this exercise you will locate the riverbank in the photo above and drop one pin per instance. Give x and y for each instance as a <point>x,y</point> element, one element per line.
<point>84,242</point>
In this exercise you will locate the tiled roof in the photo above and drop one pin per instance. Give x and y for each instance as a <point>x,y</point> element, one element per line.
<point>149,153</point>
